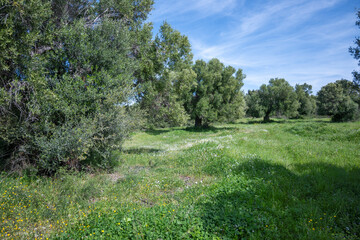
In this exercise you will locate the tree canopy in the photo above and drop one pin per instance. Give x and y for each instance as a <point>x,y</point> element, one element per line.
<point>253,102</point>
<point>339,100</point>
<point>217,95</point>
<point>355,51</point>
<point>165,78</point>
<point>66,75</point>
<point>278,98</point>
<point>307,101</point>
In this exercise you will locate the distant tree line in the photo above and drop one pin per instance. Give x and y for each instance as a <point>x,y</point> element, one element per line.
<point>339,100</point>
<point>77,76</point>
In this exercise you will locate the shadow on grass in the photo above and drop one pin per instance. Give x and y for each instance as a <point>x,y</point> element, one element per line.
<point>156,132</point>
<point>208,129</point>
<point>260,121</point>
<point>300,120</point>
<point>216,129</point>
<point>263,200</point>
<point>141,150</point>
<point>324,120</point>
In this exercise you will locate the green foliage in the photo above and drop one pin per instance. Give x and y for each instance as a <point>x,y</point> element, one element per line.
<point>66,77</point>
<point>350,89</point>
<point>307,101</point>
<point>165,222</point>
<point>165,78</point>
<point>217,96</point>
<point>253,103</point>
<point>355,52</point>
<point>339,100</point>
<point>278,98</point>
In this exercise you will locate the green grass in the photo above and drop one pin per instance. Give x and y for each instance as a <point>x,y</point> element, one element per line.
<point>281,180</point>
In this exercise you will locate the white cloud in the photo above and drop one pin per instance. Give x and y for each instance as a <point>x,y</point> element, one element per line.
<point>174,9</point>
<point>295,39</point>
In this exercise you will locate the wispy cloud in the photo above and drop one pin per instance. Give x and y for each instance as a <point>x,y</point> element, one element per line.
<point>272,20</point>
<point>173,9</point>
<point>301,40</point>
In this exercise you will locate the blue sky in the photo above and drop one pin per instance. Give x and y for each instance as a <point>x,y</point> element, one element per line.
<point>303,41</point>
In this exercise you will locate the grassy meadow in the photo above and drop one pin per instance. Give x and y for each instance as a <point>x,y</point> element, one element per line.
<point>294,179</point>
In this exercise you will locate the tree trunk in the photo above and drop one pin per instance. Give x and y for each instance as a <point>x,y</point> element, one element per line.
<point>198,122</point>
<point>267,117</point>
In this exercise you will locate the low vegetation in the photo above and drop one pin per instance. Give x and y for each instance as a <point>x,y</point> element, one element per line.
<point>280,180</point>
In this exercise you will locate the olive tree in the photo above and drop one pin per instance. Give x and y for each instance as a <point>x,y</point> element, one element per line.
<point>217,95</point>
<point>278,98</point>
<point>165,78</point>
<point>339,100</point>
<point>66,77</point>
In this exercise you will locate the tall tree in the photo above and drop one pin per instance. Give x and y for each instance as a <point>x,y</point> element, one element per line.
<point>253,102</point>
<point>355,51</point>
<point>66,75</point>
<point>278,98</point>
<point>217,96</point>
<point>350,89</point>
<point>338,100</point>
<point>165,78</point>
<point>306,100</point>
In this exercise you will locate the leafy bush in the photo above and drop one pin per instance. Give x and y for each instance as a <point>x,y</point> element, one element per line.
<point>347,110</point>
<point>66,78</point>
<point>339,100</point>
